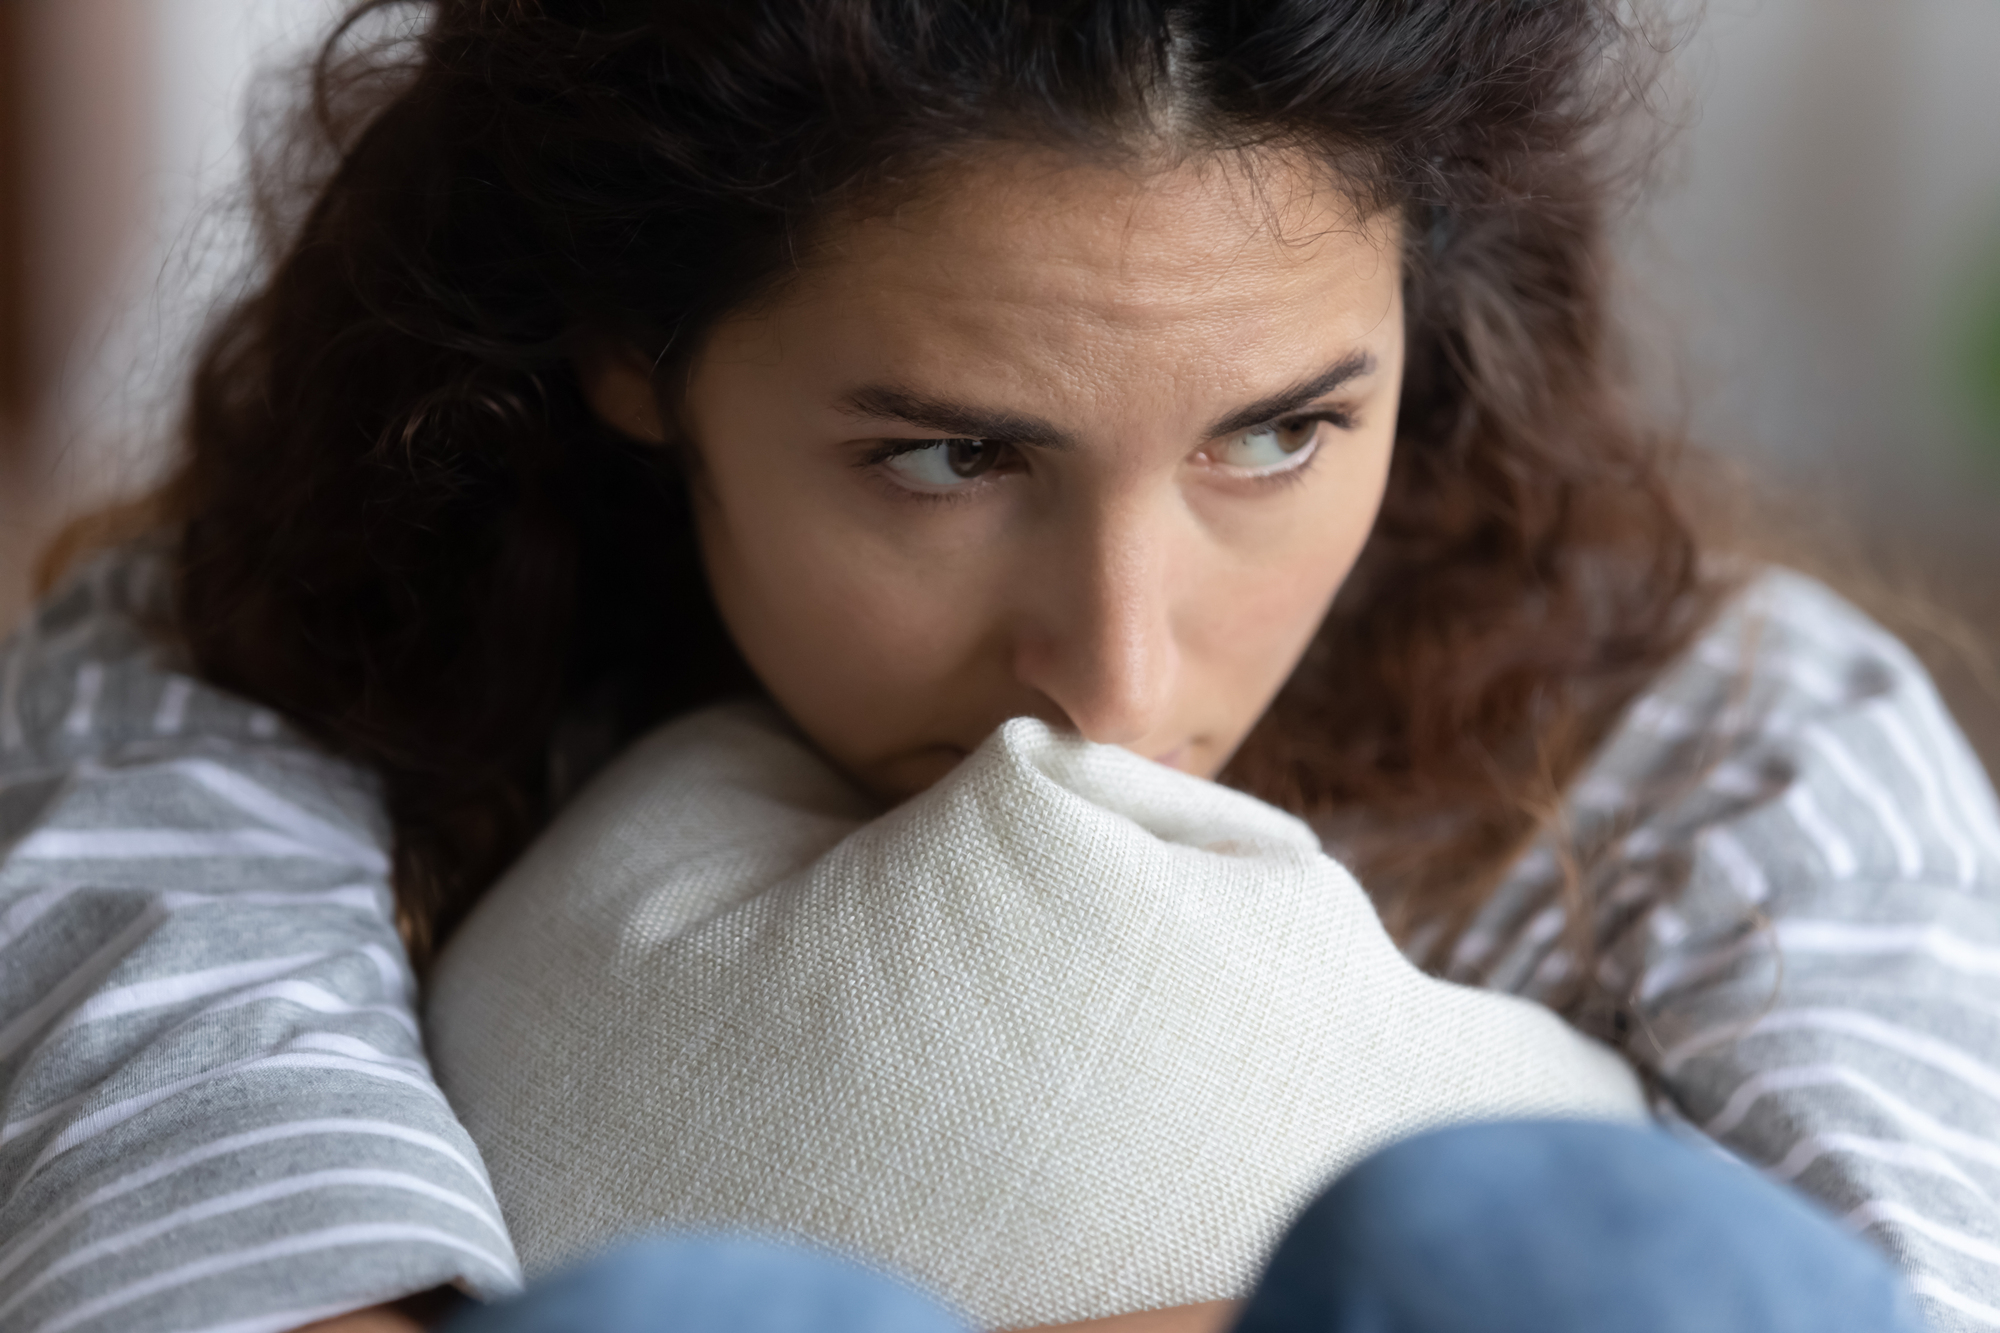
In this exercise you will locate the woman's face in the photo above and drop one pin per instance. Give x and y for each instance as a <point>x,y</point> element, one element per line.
<point>1061,441</point>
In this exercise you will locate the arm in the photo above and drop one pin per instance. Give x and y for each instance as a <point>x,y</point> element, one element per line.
<point>214,1104</point>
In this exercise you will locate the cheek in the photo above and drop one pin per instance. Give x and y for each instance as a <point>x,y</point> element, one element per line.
<point>850,642</point>
<point>1252,628</point>
<point>1255,620</point>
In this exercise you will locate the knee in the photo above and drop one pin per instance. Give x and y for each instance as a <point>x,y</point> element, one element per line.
<point>1555,1224</point>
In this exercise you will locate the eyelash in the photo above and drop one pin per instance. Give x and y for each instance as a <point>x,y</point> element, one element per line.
<point>1339,418</point>
<point>872,461</point>
<point>897,448</point>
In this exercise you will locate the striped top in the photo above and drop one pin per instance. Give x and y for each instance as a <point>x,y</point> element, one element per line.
<point>215,1111</point>
<point>1798,893</point>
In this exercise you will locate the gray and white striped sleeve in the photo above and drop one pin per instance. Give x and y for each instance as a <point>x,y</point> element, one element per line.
<point>1823,996</point>
<point>215,1111</point>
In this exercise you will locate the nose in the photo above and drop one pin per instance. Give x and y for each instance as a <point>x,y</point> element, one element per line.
<point>1098,639</point>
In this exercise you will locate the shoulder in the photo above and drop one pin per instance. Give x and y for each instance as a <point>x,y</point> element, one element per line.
<point>1786,653</point>
<point>1796,760</point>
<point>1794,793</point>
<point>1802,731</point>
<point>93,677</point>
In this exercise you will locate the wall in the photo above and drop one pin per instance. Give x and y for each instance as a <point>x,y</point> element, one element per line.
<point>1804,277</point>
<point>126,118</point>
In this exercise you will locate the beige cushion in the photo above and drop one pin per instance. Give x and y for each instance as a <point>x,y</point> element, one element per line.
<point>1068,1035</point>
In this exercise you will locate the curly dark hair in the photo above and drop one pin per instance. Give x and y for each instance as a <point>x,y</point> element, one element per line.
<point>400,524</point>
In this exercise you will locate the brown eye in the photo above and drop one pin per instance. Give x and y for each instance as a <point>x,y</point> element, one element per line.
<point>1276,447</point>
<point>941,465</point>
<point>969,458</point>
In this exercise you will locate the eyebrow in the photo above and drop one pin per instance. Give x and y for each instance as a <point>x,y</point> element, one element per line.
<point>1293,397</point>
<point>887,402</point>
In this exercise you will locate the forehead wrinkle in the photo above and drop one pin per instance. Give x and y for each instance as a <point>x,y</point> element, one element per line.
<point>1312,209</point>
<point>1024,174</point>
<point>982,281</point>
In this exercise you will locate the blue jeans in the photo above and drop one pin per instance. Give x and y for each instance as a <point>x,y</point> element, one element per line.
<point>1528,1227</point>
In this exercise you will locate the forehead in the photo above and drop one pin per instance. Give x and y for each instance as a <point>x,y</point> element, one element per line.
<point>1028,265</point>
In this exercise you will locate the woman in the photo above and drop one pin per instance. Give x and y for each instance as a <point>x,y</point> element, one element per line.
<point>1224,382</point>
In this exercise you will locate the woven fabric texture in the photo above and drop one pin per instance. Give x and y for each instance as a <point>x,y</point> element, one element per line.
<point>1068,1035</point>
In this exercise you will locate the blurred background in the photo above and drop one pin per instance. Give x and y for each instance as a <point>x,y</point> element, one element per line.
<point>1811,286</point>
